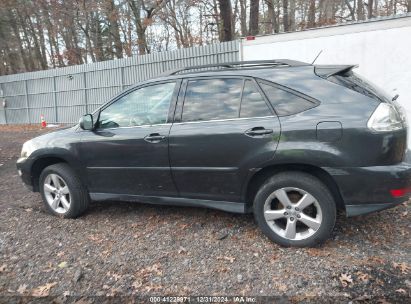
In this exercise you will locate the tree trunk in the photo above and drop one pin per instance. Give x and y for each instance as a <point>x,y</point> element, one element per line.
<point>292,15</point>
<point>114,28</point>
<point>243,17</point>
<point>12,21</point>
<point>360,10</point>
<point>370,7</point>
<point>226,17</point>
<point>311,14</point>
<point>96,36</point>
<point>254,11</point>
<point>351,9</point>
<point>271,16</point>
<point>140,29</point>
<point>285,16</point>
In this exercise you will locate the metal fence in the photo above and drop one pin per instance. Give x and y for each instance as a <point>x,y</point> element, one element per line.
<point>63,95</point>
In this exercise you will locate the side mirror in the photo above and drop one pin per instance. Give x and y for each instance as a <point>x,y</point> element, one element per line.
<point>86,122</point>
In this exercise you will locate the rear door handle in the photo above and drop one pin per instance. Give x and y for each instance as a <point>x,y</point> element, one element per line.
<point>154,138</point>
<point>258,131</point>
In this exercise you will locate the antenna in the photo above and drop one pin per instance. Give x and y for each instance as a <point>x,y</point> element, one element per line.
<point>317,56</point>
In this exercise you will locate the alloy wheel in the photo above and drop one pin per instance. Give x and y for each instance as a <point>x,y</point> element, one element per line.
<point>293,213</point>
<point>57,193</point>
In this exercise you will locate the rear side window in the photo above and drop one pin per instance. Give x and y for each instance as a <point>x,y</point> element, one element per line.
<point>285,102</point>
<point>252,103</point>
<point>211,99</point>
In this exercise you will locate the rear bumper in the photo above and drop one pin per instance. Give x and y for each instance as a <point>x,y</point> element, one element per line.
<point>354,210</point>
<point>369,189</point>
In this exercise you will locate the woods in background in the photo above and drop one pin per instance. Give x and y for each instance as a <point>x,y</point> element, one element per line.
<point>42,34</point>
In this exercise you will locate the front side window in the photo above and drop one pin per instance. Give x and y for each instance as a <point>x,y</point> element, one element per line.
<point>252,103</point>
<point>211,99</point>
<point>145,106</point>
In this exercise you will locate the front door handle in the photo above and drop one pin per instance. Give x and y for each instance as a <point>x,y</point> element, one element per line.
<point>154,138</point>
<point>258,131</point>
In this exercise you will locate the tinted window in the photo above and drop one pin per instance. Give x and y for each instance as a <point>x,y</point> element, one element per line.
<point>359,84</point>
<point>210,99</point>
<point>285,103</point>
<point>145,106</point>
<point>252,103</point>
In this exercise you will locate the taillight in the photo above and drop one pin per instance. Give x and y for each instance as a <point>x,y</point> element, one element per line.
<point>400,192</point>
<point>385,119</point>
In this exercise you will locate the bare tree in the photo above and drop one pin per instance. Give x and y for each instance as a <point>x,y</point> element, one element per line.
<point>39,34</point>
<point>254,12</point>
<point>226,17</point>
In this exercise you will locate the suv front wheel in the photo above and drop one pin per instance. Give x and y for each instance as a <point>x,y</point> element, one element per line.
<point>295,209</point>
<point>62,191</point>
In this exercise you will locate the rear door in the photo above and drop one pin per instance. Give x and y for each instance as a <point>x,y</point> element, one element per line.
<point>223,129</point>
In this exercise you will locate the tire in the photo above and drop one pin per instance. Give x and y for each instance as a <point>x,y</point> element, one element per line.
<point>278,222</point>
<point>69,186</point>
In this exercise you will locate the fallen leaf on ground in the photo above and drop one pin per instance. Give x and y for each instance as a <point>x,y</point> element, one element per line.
<point>153,288</point>
<point>362,298</point>
<point>182,250</point>
<point>227,258</point>
<point>22,289</point>
<point>155,268</point>
<point>345,279</point>
<point>62,265</point>
<point>403,267</point>
<point>375,259</point>
<point>282,287</point>
<point>316,252</point>
<point>401,290</point>
<point>3,268</point>
<point>364,277</point>
<point>42,291</point>
<point>383,301</point>
<point>137,284</point>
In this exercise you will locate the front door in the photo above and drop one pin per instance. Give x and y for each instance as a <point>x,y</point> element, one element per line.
<point>127,153</point>
<point>224,128</point>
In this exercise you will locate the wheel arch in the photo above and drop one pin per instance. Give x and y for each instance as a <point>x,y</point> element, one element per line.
<point>263,174</point>
<point>43,161</point>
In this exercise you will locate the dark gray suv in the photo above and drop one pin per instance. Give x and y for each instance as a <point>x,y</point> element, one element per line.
<point>289,141</point>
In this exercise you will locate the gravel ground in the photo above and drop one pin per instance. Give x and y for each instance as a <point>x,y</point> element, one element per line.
<point>130,249</point>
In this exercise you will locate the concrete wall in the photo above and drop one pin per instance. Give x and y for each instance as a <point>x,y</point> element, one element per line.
<point>382,48</point>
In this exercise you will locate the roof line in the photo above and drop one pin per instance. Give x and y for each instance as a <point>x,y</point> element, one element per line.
<point>236,64</point>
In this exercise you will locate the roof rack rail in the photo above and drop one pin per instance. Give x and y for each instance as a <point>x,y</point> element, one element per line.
<point>234,64</point>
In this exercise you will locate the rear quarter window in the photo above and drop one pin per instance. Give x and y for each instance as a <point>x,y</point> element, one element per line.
<point>286,102</point>
<point>360,85</point>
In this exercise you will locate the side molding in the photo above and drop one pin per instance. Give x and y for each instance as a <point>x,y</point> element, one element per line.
<point>233,207</point>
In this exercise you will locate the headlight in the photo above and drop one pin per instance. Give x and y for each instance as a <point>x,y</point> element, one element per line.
<point>27,149</point>
<point>385,119</point>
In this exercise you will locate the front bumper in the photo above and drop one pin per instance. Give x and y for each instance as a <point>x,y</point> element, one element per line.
<point>23,168</point>
<point>369,189</point>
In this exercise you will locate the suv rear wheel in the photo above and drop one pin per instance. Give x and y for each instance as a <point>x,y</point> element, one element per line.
<point>62,191</point>
<point>295,209</point>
